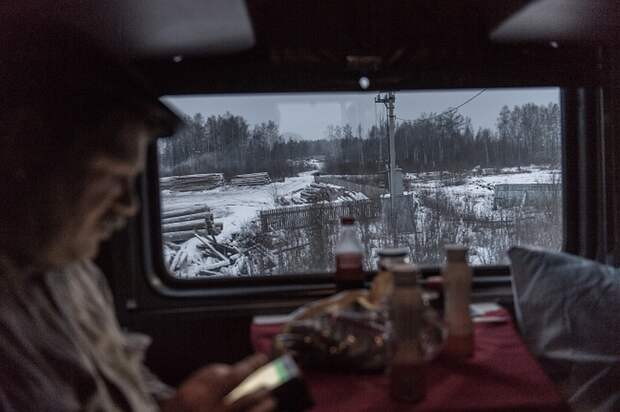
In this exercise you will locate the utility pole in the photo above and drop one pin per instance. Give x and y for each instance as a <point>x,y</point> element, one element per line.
<point>389,100</point>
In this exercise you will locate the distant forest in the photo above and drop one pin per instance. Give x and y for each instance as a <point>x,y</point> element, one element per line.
<point>526,134</point>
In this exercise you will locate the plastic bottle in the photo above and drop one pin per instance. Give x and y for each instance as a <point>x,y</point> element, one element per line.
<point>407,366</point>
<point>383,285</point>
<point>349,256</point>
<point>457,277</point>
<point>390,256</point>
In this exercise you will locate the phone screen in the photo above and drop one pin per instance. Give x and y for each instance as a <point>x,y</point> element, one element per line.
<point>269,376</point>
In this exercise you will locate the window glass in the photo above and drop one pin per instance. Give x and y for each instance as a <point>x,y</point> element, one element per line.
<point>255,185</point>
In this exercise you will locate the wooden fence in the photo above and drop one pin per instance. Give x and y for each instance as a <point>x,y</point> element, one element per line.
<point>298,217</point>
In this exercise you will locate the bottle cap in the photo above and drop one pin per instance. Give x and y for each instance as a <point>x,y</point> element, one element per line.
<point>346,220</point>
<point>405,274</point>
<point>456,253</point>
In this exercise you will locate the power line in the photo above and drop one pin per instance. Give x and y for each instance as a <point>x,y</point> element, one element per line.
<point>449,109</point>
<point>468,100</point>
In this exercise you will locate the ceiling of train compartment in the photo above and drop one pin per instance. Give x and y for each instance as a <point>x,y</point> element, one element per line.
<point>286,43</point>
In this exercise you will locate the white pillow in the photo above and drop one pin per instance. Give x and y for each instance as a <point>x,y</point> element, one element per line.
<point>568,310</point>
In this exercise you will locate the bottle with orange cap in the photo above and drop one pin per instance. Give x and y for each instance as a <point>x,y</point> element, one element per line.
<point>349,257</point>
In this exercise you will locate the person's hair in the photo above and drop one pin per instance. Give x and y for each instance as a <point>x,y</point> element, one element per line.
<point>63,100</point>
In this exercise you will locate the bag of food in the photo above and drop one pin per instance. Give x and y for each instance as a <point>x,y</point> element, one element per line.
<point>351,331</point>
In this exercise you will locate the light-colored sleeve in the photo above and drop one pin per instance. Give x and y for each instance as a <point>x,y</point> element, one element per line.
<point>135,345</point>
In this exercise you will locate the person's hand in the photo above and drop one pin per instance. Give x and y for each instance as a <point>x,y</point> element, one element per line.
<point>205,390</point>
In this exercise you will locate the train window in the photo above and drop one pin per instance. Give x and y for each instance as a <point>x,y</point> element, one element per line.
<point>254,185</point>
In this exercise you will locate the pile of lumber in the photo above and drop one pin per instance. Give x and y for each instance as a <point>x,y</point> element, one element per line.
<point>315,193</point>
<point>221,255</point>
<point>190,183</point>
<point>179,225</point>
<point>318,192</point>
<point>251,179</point>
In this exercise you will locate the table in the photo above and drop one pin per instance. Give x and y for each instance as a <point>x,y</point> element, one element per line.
<point>501,376</point>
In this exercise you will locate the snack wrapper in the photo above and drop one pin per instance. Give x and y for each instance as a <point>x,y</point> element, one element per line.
<point>350,331</point>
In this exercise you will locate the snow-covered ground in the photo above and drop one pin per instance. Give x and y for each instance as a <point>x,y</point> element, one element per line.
<point>465,203</point>
<point>481,189</point>
<point>234,206</point>
<point>470,194</point>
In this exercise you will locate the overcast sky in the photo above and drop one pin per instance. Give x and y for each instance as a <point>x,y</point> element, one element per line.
<point>309,114</point>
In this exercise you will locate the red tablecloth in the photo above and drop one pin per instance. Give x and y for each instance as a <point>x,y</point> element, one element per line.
<point>501,376</point>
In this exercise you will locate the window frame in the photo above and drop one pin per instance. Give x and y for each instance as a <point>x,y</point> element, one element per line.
<point>298,285</point>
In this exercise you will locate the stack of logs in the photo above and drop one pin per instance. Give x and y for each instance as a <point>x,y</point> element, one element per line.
<point>179,225</point>
<point>315,193</point>
<point>222,255</point>
<point>318,192</point>
<point>192,182</point>
<point>251,179</point>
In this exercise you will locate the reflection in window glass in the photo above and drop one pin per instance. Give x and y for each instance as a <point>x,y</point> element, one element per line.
<point>255,185</point>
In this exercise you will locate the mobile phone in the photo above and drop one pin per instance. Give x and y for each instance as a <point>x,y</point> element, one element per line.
<point>270,376</point>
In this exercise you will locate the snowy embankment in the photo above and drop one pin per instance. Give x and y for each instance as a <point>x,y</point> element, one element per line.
<point>460,208</point>
<point>478,191</point>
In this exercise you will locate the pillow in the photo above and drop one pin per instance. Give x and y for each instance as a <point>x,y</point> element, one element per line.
<point>568,310</point>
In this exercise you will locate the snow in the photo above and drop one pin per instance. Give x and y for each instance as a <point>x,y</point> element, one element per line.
<point>234,206</point>
<point>316,164</point>
<point>471,194</point>
<point>481,189</point>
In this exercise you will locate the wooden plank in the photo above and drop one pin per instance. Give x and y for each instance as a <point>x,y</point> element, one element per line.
<point>184,211</point>
<point>185,218</point>
<point>181,226</point>
<point>251,179</point>
<point>192,182</point>
<point>257,174</point>
<point>194,176</point>
<point>180,236</point>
